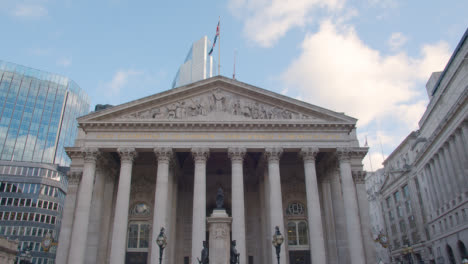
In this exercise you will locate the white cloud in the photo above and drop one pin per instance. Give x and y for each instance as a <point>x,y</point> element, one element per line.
<point>120,79</point>
<point>64,62</point>
<point>267,21</point>
<point>29,10</point>
<point>337,70</point>
<point>397,40</point>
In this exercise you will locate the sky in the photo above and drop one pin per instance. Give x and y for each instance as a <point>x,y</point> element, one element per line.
<point>369,59</point>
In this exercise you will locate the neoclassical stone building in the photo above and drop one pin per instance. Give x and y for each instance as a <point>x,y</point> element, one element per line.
<point>159,161</point>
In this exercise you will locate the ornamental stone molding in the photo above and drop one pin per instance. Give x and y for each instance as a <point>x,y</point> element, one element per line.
<point>127,154</point>
<point>359,177</point>
<point>236,153</point>
<point>308,154</point>
<point>74,177</point>
<point>90,154</point>
<point>200,154</point>
<point>163,154</point>
<point>273,154</point>
<point>345,154</point>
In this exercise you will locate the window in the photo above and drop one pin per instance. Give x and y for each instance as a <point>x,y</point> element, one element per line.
<point>412,222</point>
<point>396,196</point>
<point>400,211</point>
<point>138,235</point>
<point>389,201</point>
<point>297,233</point>
<point>390,215</point>
<point>406,191</point>
<point>408,206</point>
<point>402,226</point>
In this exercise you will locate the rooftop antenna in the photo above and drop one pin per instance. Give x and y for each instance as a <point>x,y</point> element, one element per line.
<point>234,72</point>
<point>370,160</point>
<point>381,149</point>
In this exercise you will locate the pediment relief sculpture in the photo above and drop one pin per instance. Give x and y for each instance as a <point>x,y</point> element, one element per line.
<point>217,102</point>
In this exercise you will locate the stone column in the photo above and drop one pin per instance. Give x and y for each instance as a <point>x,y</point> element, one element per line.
<point>314,212</point>
<point>436,185</point>
<point>440,178</point>
<point>276,199</point>
<point>237,202</point>
<point>458,166</point>
<point>74,178</point>
<point>119,232</point>
<point>451,169</point>
<point>200,156</point>
<point>430,191</point>
<point>161,200</point>
<point>94,227</point>
<point>353,226</point>
<point>83,206</point>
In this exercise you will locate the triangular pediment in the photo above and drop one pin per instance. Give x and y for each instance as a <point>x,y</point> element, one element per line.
<point>217,99</point>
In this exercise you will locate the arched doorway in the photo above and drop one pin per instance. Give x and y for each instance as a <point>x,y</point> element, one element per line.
<point>462,249</point>
<point>450,254</point>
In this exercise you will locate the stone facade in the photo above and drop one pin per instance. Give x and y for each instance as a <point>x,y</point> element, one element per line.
<point>8,250</point>
<point>425,194</point>
<point>159,161</point>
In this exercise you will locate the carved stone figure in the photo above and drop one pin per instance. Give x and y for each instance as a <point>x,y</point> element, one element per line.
<point>204,254</point>
<point>216,101</point>
<point>234,254</point>
<point>220,198</point>
<point>219,100</point>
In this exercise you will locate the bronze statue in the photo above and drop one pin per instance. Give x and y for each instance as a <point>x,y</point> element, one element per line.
<point>234,254</point>
<point>220,199</point>
<point>204,255</point>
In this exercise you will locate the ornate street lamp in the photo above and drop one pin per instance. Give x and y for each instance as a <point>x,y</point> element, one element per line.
<point>162,242</point>
<point>277,241</point>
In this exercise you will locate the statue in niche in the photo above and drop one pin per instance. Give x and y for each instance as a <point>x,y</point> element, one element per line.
<point>204,254</point>
<point>220,199</point>
<point>219,100</point>
<point>234,254</point>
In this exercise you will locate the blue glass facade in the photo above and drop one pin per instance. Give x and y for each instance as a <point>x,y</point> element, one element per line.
<point>38,113</point>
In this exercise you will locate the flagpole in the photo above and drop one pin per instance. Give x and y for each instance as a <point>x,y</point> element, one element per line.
<point>219,47</point>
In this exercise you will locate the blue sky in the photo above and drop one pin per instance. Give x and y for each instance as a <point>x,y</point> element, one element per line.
<point>368,58</point>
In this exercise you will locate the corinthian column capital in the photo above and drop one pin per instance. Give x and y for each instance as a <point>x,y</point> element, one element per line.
<point>90,154</point>
<point>308,154</point>
<point>163,154</point>
<point>236,154</point>
<point>74,177</point>
<point>273,154</point>
<point>343,154</point>
<point>200,154</point>
<point>127,154</point>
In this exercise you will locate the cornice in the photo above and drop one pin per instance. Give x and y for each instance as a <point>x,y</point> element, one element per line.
<point>170,125</point>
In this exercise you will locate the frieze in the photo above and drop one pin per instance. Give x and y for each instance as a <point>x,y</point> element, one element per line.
<point>217,101</point>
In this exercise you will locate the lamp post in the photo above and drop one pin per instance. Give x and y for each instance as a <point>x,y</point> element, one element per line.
<point>162,242</point>
<point>277,241</point>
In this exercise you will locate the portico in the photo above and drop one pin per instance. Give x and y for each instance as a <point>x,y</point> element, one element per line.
<point>158,162</point>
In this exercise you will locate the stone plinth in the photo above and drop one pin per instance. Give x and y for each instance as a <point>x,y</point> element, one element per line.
<point>219,225</point>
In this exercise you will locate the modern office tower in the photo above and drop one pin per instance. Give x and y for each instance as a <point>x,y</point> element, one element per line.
<point>198,65</point>
<point>38,113</point>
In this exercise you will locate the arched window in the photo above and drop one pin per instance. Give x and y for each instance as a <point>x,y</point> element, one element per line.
<point>295,209</point>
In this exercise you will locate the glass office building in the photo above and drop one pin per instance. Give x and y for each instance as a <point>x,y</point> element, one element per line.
<point>38,119</point>
<point>198,65</point>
